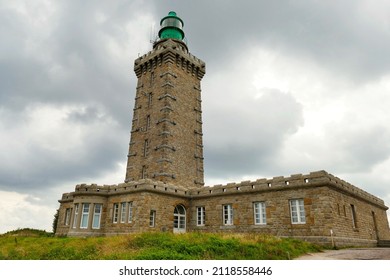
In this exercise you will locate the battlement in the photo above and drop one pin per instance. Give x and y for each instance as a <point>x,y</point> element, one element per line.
<point>318,178</point>
<point>169,51</point>
<point>347,187</point>
<point>313,179</point>
<point>122,188</point>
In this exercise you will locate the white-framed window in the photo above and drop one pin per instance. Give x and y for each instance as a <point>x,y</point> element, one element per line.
<point>123,212</point>
<point>67,216</point>
<point>227,214</point>
<point>115,213</point>
<point>200,216</point>
<point>297,210</point>
<point>152,218</point>
<point>259,213</point>
<point>179,219</point>
<point>84,215</point>
<point>97,213</point>
<point>130,212</point>
<point>76,215</point>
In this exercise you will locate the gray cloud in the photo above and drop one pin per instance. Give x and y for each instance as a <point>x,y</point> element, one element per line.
<point>347,37</point>
<point>246,137</point>
<point>361,148</point>
<point>67,88</point>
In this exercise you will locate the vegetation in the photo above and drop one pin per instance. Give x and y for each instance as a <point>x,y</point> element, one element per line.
<point>55,220</point>
<point>31,244</point>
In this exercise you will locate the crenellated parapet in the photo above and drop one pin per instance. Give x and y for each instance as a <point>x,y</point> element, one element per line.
<point>314,179</point>
<point>125,188</point>
<point>353,190</point>
<point>170,51</point>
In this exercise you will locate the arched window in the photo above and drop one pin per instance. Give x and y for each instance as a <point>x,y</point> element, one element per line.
<point>179,219</point>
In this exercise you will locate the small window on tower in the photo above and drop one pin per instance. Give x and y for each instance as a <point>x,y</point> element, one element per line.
<point>151,78</point>
<point>150,99</point>
<point>146,147</point>
<point>143,172</point>
<point>148,122</point>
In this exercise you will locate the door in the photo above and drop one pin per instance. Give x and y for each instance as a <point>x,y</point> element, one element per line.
<point>179,219</point>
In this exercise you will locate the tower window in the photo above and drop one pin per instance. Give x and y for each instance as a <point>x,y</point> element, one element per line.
<point>150,99</point>
<point>151,78</point>
<point>148,122</point>
<point>146,147</point>
<point>143,172</point>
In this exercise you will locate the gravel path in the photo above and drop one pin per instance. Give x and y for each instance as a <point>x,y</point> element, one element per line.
<point>350,254</point>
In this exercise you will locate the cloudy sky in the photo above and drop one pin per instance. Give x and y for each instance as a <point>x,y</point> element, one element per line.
<point>290,87</point>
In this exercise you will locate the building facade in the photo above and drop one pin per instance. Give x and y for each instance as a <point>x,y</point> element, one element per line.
<point>164,183</point>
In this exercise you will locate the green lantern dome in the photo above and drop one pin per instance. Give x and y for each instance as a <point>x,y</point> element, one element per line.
<point>171,27</point>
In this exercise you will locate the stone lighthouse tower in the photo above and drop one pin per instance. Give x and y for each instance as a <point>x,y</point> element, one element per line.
<point>166,134</point>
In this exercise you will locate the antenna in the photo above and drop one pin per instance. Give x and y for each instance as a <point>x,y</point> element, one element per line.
<point>152,38</point>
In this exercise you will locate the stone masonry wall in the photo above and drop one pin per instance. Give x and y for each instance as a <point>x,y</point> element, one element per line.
<point>166,135</point>
<point>325,198</point>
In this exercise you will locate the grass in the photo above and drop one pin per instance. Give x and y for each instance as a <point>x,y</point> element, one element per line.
<point>39,245</point>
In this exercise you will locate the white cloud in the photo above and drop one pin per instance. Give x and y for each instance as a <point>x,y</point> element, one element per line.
<point>20,210</point>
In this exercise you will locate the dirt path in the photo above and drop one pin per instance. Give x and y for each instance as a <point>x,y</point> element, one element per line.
<point>350,254</point>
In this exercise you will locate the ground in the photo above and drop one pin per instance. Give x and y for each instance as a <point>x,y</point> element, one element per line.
<point>350,254</point>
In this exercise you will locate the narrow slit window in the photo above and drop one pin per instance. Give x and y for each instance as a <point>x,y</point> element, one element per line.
<point>146,147</point>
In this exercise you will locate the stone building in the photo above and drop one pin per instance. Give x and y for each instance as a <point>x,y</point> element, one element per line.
<point>164,184</point>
